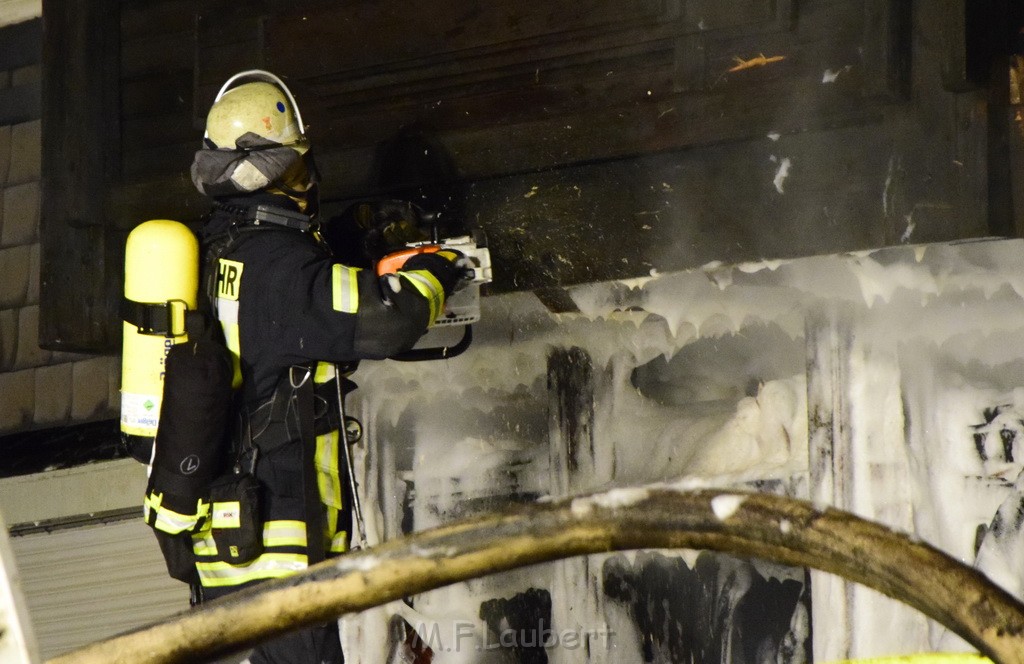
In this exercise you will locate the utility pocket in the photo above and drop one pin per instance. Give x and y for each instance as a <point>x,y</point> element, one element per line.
<point>178,556</point>
<point>235,521</point>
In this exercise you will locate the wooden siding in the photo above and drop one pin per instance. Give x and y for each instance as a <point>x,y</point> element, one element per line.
<point>591,142</point>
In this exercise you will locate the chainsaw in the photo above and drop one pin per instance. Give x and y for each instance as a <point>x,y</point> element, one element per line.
<point>404,230</point>
<point>463,307</point>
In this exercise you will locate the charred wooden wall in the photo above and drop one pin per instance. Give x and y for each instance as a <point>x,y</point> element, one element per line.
<point>591,139</point>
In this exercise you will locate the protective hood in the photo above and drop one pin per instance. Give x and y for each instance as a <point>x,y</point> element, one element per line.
<point>255,165</point>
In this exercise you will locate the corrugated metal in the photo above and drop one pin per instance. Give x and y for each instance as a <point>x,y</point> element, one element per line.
<point>87,583</point>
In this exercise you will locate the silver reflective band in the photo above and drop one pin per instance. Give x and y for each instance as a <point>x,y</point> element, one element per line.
<point>345,288</point>
<point>227,311</point>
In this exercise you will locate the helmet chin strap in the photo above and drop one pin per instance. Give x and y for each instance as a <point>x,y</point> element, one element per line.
<point>308,199</point>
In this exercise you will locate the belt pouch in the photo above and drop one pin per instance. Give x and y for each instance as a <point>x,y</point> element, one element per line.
<point>236,526</point>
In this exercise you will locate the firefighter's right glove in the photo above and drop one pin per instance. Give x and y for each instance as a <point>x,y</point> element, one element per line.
<point>451,268</point>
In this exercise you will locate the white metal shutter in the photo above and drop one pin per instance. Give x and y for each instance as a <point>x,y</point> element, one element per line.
<point>87,583</point>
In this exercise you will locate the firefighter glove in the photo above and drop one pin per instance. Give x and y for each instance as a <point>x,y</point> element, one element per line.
<point>451,268</point>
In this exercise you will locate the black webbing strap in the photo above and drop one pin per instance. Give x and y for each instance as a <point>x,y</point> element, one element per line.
<point>272,423</point>
<point>310,487</point>
<point>264,213</point>
<point>156,318</point>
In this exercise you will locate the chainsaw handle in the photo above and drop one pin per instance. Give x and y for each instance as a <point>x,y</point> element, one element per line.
<point>439,352</point>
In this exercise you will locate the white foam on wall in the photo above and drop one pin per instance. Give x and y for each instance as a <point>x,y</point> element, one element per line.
<point>935,335</point>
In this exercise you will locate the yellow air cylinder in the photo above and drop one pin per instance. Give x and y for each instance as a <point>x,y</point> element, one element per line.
<point>161,268</point>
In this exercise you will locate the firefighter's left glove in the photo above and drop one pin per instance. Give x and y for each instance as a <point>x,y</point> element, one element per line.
<point>451,268</point>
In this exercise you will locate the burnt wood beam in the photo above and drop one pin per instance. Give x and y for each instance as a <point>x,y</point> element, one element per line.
<point>80,145</point>
<point>571,419</point>
<point>754,524</point>
<point>1016,138</point>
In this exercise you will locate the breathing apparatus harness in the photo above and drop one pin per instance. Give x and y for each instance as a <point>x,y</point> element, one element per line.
<point>300,409</point>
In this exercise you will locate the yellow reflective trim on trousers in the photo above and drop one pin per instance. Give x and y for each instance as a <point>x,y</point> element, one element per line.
<point>284,533</point>
<point>429,287</point>
<point>275,534</point>
<point>339,543</point>
<point>328,473</point>
<point>345,288</point>
<point>203,545</point>
<point>169,521</point>
<point>267,566</point>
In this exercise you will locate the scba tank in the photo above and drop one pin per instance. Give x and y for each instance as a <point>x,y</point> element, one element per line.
<point>161,281</point>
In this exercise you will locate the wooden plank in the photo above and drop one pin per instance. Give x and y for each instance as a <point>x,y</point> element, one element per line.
<point>226,22</point>
<point>158,93</point>
<point>679,211</point>
<point>1016,140</point>
<point>20,44</point>
<point>828,420</point>
<point>165,196</point>
<point>575,586</point>
<point>886,50</point>
<point>156,131</point>
<point>20,104</point>
<point>147,162</point>
<point>80,137</point>
<point>717,15</point>
<point>616,73</point>
<point>571,99</point>
<point>970,35</point>
<point>647,125</point>
<point>515,98</point>
<point>335,39</point>
<point>472,84</point>
<point>214,65</point>
<point>571,414</point>
<point>168,51</point>
<point>147,18</point>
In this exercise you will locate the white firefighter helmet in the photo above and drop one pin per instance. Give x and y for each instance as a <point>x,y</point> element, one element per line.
<point>259,102</point>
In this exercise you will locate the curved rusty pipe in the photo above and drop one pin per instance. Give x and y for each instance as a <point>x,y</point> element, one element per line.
<point>789,531</point>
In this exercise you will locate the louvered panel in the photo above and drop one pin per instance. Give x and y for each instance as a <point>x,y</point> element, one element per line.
<point>84,584</point>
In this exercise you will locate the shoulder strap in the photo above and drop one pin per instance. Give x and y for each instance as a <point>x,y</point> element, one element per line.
<point>310,487</point>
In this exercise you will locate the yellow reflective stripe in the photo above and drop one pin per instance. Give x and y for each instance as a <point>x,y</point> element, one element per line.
<point>203,544</point>
<point>275,534</point>
<point>324,372</point>
<point>339,543</point>
<point>284,533</point>
<point>429,287</point>
<point>267,566</point>
<point>227,314</point>
<point>169,521</point>
<point>234,344</point>
<point>345,288</point>
<point>328,476</point>
<point>227,515</point>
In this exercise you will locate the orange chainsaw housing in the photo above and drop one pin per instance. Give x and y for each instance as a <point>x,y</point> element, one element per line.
<point>394,262</point>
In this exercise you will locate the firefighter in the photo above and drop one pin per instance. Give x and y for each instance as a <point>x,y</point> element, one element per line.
<point>290,315</point>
